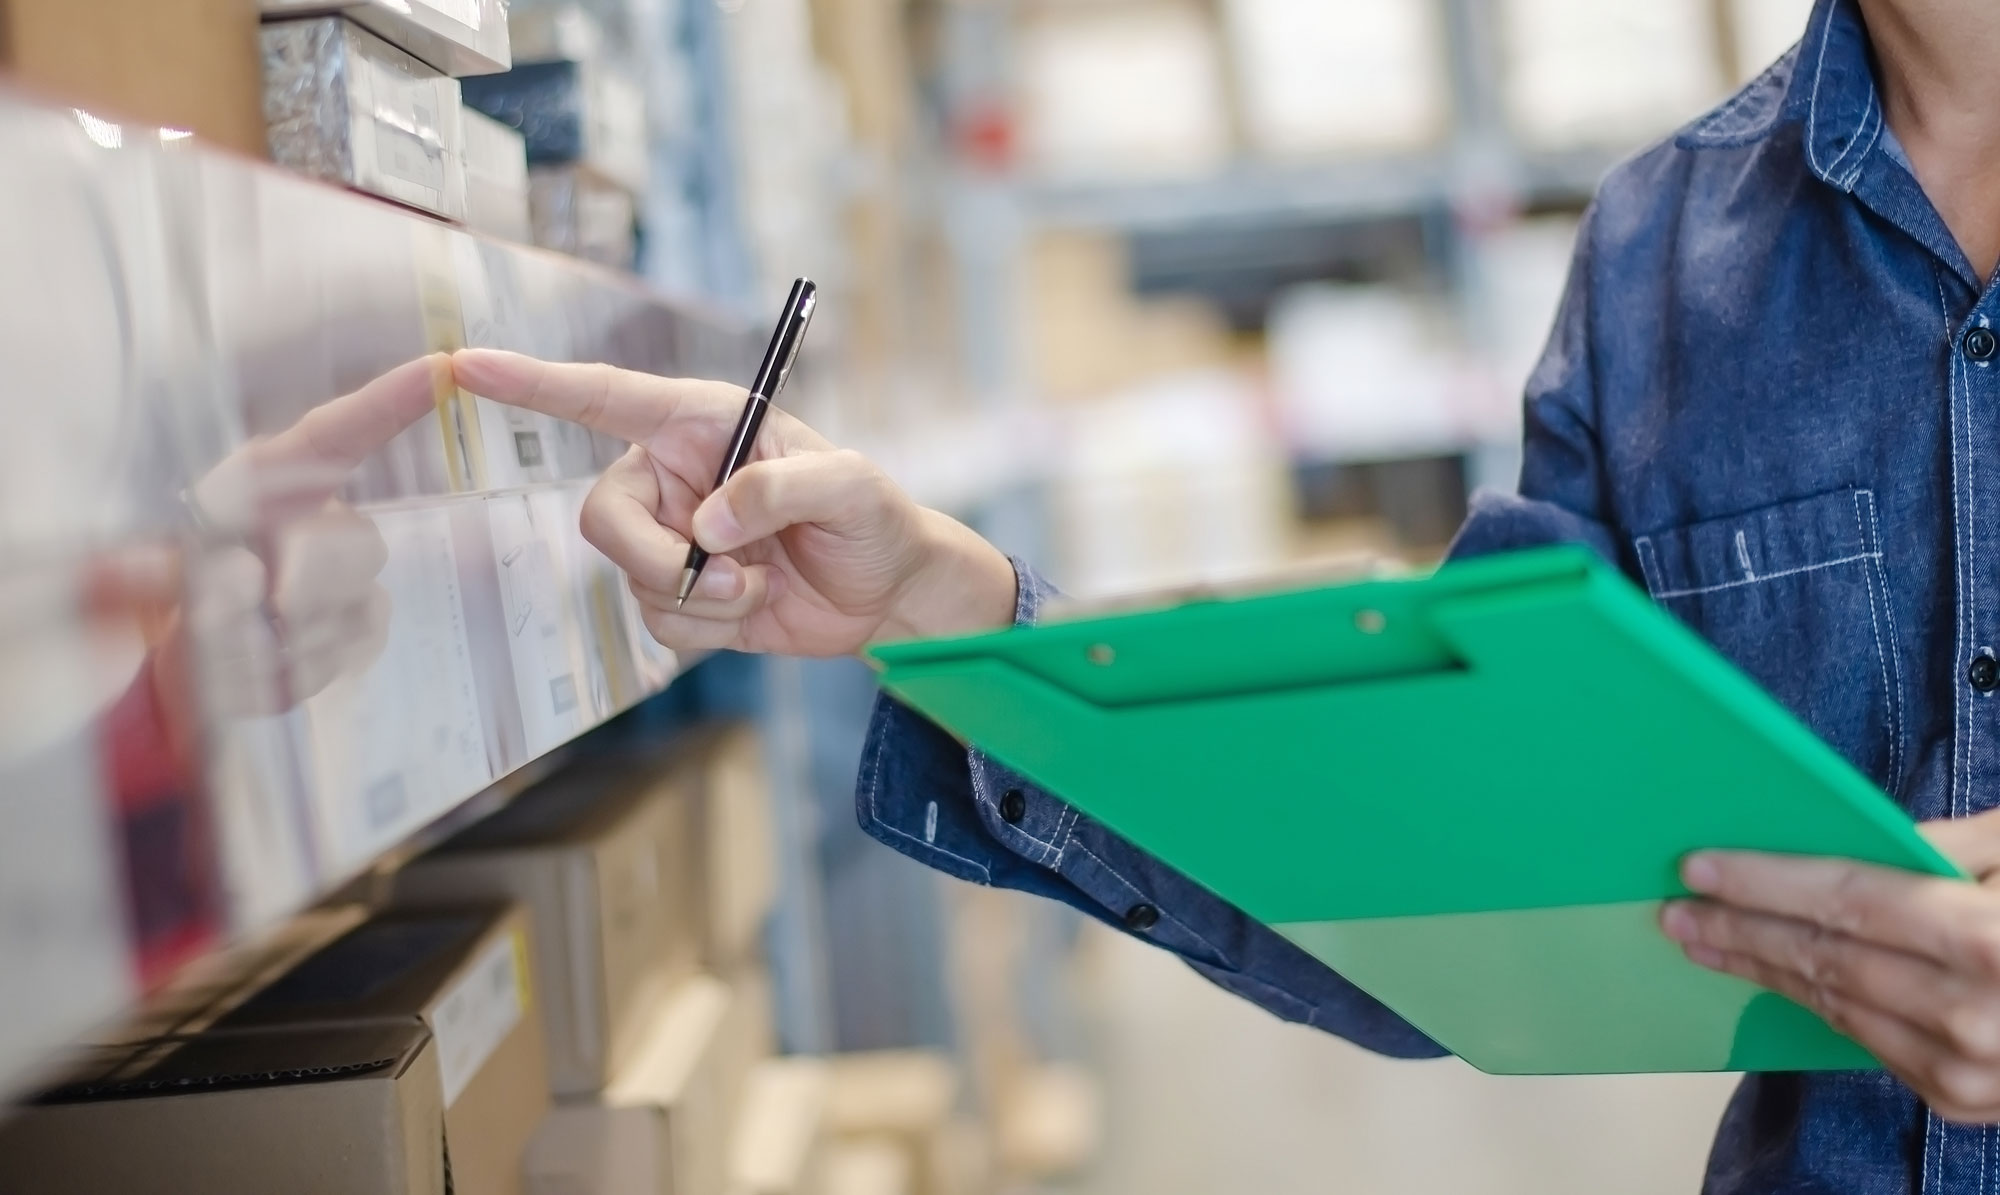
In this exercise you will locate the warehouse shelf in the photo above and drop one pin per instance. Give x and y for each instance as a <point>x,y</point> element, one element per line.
<point>1264,193</point>
<point>277,595</point>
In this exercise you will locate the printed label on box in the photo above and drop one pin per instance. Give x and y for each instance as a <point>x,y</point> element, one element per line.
<point>478,1014</point>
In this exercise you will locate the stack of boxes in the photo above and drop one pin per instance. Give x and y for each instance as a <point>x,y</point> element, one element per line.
<point>582,118</point>
<point>366,93</point>
<point>566,998</point>
<point>395,1054</point>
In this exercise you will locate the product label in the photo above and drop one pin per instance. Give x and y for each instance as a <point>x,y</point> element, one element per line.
<point>478,1013</point>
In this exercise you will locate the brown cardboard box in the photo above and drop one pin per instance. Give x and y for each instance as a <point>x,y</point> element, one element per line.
<point>749,1037</point>
<point>905,1098</point>
<point>738,857</point>
<point>464,973</point>
<point>348,1109</point>
<point>182,64</point>
<point>870,1167</point>
<point>780,1145</point>
<point>660,1127</point>
<point>599,856</point>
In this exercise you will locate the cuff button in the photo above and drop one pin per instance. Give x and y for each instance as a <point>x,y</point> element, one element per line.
<point>1140,918</point>
<point>1013,806</point>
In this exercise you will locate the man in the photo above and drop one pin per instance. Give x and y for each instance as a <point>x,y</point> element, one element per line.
<point>1772,396</point>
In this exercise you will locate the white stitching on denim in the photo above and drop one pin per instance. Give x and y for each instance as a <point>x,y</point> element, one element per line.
<point>1961,791</point>
<point>1144,899</point>
<point>1067,835</point>
<point>1874,135</point>
<point>1958,703</point>
<point>1763,577</point>
<point>982,795</point>
<point>875,816</point>
<point>1930,1135</point>
<point>1901,745</point>
<point>1649,568</point>
<point>1890,696</point>
<point>1812,106</point>
<point>1845,182</point>
<point>930,823</point>
<point>1743,556</point>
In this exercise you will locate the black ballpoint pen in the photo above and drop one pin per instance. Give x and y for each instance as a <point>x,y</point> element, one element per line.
<point>771,375</point>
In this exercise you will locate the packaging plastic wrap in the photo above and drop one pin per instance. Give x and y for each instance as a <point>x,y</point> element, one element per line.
<point>458,37</point>
<point>496,178</point>
<point>344,105</point>
<point>576,212</point>
<point>570,113</point>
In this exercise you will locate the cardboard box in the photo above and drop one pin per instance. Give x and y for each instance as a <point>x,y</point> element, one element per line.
<point>572,114</point>
<point>738,846</point>
<point>178,64</point>
<point>780,1145</point>
<point>465,974</point>
<point>598,855</point>
<point>903,1098</point>
<point>908,1094</point>
<point>869,1168</point>
<point>573,210</point>
<point>496,179</point>
<point>660,1127</point>
<point>457,37</point>
<point>345,106</point>
<point>749,1038</point>
<point>349,1109</point>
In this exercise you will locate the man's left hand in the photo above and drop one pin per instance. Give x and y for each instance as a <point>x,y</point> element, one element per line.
<point>1908,965</point>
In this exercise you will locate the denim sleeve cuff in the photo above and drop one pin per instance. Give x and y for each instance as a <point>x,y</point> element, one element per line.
<point>966,814</point>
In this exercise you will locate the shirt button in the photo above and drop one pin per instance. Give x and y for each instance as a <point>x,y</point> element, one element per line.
<point>1980,344</point>
<point>1140,918</point>
<point>1984,673</point>
<point>1013,806</point>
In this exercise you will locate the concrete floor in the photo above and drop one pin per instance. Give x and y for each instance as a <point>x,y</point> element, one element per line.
<point>1207,1095</point>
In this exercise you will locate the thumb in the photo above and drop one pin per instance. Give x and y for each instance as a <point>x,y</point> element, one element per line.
<point>1971,842</point>
<point>840,490</point>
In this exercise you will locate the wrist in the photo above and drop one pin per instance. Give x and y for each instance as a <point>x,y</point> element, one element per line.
<point>962,585</point>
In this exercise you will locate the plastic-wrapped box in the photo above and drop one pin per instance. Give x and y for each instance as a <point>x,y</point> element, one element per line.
<point>458,37</point>
<point>343,105</point>
<point>496,178</point>
<point>576,212</point>
<point>571,113</point>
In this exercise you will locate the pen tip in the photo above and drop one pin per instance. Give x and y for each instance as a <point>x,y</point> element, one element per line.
<point>688,576</point>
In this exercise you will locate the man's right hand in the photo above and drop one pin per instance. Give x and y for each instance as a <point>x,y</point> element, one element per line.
<point>815,551</point>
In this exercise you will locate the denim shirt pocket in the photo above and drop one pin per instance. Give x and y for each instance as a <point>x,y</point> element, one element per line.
<point>1797,595</point>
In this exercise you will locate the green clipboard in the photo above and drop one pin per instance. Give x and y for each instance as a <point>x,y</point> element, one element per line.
<point>1467,793</point>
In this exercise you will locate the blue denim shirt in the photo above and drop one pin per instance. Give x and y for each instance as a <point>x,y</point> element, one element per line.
<point>1761,401</point>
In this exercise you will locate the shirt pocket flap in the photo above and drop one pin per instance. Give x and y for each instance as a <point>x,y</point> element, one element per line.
<point>1780,540</point>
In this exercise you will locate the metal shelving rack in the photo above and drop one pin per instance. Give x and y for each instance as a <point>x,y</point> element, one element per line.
<point>277,596</point>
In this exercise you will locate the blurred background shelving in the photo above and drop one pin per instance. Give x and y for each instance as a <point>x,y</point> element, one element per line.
<point>1148,291</point>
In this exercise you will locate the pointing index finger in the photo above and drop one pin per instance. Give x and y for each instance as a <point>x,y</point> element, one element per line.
<point>618,402</point>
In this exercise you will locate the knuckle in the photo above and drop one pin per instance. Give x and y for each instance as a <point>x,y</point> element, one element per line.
<point>593,522</point>
<point>1961,1085</point>
<point>1973,1030</point>
<point>1846,909</point>
<point>1983,949</point>
<point>1816,956</point>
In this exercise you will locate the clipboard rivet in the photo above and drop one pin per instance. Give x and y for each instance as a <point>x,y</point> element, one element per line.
<point>1101,654</point>
<point>1370,622</point>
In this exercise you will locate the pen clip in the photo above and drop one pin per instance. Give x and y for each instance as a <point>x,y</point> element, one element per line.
<point>797,340</point>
